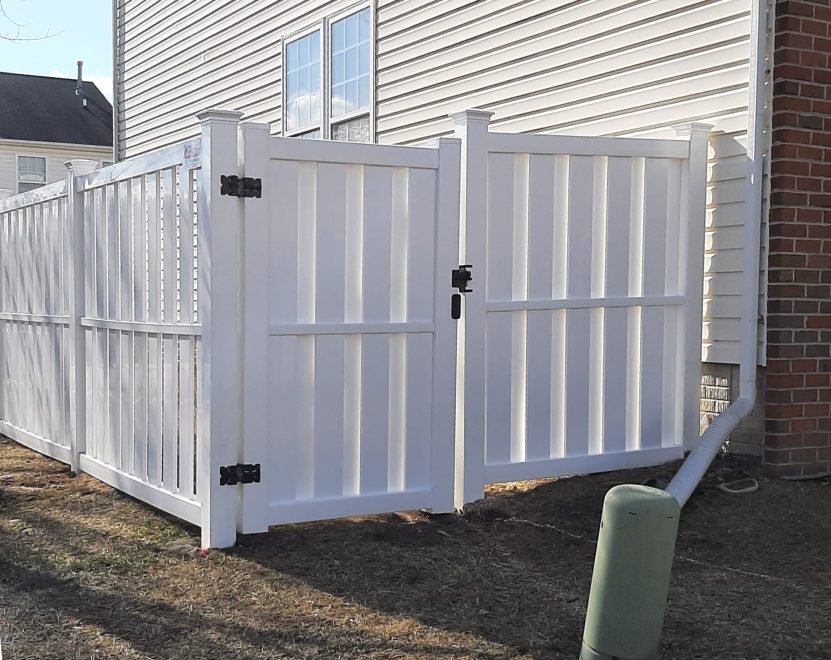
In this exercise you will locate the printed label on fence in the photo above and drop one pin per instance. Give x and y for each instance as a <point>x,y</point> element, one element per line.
<point>193,153</point>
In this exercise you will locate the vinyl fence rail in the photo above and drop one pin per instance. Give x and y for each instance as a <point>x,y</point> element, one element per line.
<point>296,351</point>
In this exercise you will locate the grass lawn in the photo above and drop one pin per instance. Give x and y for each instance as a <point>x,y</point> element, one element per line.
<point>86,572</point>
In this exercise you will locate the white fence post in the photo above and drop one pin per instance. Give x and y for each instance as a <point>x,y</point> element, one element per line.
<point>472,129</point>
<point>77,308</point>
<point>444,354</point>
<point>220,418</point>
<point>256,297</point>
<point>693,211</point>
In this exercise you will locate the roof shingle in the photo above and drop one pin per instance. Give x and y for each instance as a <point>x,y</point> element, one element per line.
<point>45,109</point>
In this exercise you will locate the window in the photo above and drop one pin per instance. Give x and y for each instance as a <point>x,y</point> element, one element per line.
<point>302,72</point>
<point>332,100</point>
<point>31,173</point>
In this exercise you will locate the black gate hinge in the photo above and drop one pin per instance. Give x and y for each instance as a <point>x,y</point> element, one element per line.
<point>241,473</point>
<point>240,186</point>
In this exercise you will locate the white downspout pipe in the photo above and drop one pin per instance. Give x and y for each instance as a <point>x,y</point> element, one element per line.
<point>699,459</point>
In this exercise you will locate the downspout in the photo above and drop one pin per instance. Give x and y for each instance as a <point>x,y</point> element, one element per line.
<point>695,466</point>
<point>639,524</point>
<point>115,79</point>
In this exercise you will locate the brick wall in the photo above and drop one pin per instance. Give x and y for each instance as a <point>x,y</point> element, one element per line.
<point>719,388</point>
<point>798,375</point>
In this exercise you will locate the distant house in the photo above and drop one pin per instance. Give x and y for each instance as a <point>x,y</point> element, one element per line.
<point>44,123</point>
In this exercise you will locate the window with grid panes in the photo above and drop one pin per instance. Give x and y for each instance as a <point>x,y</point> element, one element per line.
<point>332,101</point>
<point>31,173</point>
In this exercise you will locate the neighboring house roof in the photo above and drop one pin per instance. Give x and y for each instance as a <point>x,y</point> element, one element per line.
<point>45,109</point>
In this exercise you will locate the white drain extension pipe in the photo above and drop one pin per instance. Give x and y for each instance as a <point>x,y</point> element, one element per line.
<point>699,459</point>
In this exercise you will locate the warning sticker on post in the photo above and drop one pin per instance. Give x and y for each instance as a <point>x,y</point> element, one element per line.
<point>193,153</point>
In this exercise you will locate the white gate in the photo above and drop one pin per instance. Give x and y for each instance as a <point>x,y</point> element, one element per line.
<point>349,348</point>
<point>582,336</point>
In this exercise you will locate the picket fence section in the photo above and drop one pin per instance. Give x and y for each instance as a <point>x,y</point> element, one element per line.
<point>140,336</point>
<point>35,277</point>
<point>158,334</point>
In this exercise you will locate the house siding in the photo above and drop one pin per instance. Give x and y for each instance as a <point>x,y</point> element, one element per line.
<point>56,156</point>
<point>595,67</point>
<point>173,63</point>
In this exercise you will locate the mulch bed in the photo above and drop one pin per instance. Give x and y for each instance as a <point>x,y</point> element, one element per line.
<point>86,572</point>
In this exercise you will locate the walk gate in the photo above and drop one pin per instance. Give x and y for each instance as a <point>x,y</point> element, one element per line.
<point>288,347</point>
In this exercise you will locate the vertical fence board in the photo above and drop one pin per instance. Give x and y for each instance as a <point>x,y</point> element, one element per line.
<point>375,349</point>
<point>186,409</point>
<point>170,374</point>
<point>154,306</point>
<point>329,300</point>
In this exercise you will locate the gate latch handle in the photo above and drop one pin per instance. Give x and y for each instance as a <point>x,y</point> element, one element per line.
<point>460,277</point>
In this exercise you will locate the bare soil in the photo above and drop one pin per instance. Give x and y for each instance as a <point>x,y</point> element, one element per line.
<point>86,572</point>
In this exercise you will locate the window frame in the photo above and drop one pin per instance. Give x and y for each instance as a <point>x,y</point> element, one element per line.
<point>17,180</point>
<point>325,26</point>
<point>318,26</point>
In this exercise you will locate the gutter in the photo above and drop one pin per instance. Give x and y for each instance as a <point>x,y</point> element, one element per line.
<point>115,80</point>
<point>695,466</point>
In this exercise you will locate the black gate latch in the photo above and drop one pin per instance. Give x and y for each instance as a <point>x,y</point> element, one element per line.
<point>241,473</point>
<point>237,186</point>
<point>459,279</point>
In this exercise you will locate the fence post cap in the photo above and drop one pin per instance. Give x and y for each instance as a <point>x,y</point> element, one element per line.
<point>79,166</point>
<point>692,128</point>
<point>470,116</point>
<point>217,114</point>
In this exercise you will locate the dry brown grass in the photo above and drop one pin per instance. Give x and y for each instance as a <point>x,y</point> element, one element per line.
<point>86,572</point>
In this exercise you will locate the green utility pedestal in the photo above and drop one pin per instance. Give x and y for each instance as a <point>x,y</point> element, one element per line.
<point>631,574</point>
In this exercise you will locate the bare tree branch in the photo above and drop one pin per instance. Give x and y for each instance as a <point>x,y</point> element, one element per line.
<point>17,34</point>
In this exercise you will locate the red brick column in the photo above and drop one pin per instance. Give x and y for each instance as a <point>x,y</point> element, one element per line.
<point>798,375</point>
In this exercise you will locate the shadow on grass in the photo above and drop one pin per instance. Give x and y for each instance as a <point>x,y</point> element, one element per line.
<point>160,629</point>
<point>507,570</point>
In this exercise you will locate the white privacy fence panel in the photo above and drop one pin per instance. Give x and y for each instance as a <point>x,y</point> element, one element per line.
<point>582,321</point>
<point>161,334</point>
<point>344,334</point>
<point>34,320</point>
<point>141,340</point>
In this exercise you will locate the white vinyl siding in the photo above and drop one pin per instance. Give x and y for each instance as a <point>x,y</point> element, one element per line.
<point>616,67</point>
<point>603,67</point>
<point>215,54</point>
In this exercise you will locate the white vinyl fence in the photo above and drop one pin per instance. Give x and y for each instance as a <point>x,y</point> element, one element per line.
<point>290,354</point>
<point>35,280</point>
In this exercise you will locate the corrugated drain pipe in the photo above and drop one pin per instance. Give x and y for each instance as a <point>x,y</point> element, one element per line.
<point>693,469</point>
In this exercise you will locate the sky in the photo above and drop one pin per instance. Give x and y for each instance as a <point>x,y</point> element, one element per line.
<point>80,29</point>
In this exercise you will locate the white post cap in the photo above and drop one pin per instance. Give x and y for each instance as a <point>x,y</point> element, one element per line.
<point>217,114</point>
<point>470,116</point>
<point>79,166</point>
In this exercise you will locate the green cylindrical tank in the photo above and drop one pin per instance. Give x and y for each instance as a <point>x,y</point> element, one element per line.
<point>632,567</point>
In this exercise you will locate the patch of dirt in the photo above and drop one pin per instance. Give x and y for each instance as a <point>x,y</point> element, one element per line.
<point>86,572</point>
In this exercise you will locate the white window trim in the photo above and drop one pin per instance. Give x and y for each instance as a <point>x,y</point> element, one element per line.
<point>318,26</point>
<point>17,169</point>
<point>325,27</point>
